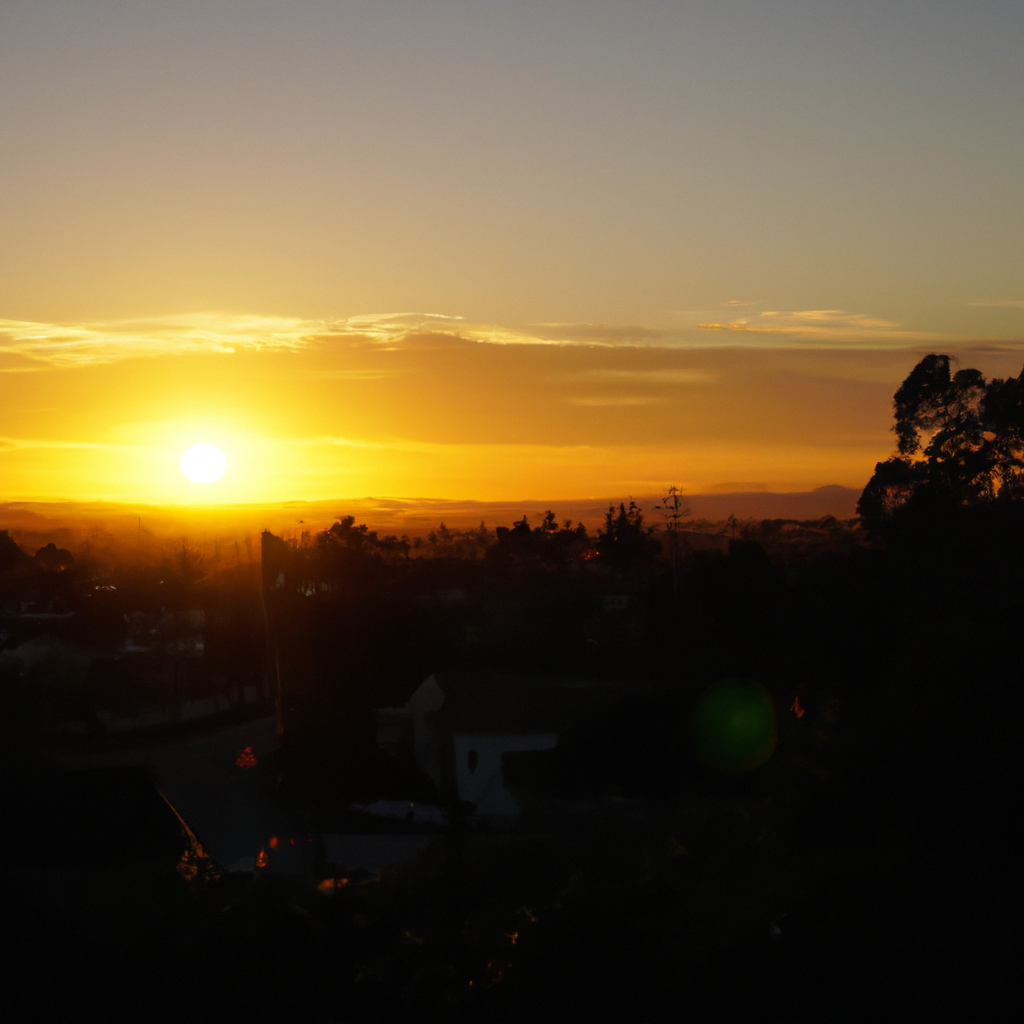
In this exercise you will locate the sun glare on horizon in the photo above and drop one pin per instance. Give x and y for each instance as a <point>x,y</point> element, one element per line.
<point>203,463</point>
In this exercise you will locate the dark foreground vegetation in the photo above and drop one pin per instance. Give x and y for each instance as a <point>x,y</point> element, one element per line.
<point>861,872</point>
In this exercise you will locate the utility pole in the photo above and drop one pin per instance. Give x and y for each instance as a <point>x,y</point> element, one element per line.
<point>674,508</point>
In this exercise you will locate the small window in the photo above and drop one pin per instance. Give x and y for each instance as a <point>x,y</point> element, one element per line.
<point>474,760</point>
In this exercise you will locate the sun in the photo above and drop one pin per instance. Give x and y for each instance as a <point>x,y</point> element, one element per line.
<point>203,463</point>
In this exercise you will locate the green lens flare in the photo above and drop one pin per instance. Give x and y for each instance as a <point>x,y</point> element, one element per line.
<point>733,725</point>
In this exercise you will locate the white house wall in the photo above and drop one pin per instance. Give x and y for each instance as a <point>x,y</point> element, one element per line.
<point>485,785</point>
<point>426,741</point>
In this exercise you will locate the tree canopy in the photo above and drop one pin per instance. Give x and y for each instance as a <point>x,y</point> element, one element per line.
<point>959,442</point>
<point>624,539</point>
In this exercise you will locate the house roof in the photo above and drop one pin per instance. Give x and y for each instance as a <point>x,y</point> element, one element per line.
<point>523,703</point>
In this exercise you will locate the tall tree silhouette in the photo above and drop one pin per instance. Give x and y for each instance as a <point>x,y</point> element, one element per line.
<point>959,441</point>
<point>624,539</point>
<point>11,555</point>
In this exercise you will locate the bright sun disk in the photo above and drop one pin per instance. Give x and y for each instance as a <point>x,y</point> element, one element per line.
<point>203,463</point>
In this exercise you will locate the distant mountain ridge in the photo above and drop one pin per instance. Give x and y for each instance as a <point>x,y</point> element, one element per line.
<point>831,500</point>
<point>414,516</point>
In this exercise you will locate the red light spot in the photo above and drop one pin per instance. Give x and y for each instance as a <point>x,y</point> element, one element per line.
<point>330,884</point>
<point>246,759</point>
<point>796,709</point>
<point>274,842</point>
<point>292,841</point>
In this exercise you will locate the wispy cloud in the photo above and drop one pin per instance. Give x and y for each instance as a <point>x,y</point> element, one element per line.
<point>615,400</point>
<point>27,345</point>
<point>36,345</point>
<point>28,443</point>
<point>826,325</point>
<point>1000,304</point>
<point>607,334</point>
<point>334,441</point>
<point>82,344</point>
<point>389,328</point>
<point>666,376</point>
<point>358,375</point>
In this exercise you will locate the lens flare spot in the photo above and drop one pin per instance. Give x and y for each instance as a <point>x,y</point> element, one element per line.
<point>733,726</point>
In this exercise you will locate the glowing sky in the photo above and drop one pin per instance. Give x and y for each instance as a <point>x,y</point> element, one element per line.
<point>642,242</point>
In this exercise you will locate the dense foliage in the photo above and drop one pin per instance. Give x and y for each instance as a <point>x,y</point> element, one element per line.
<point>960,442</point>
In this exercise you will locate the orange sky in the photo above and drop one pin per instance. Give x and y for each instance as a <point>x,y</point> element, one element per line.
<point>643,243</point>
<point>423,406</point>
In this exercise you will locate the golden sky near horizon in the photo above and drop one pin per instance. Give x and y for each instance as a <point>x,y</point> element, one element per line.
<point>655,242</point>
<point>418,406</point>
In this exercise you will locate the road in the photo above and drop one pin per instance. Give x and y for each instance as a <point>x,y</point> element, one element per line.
<point>232,809</point>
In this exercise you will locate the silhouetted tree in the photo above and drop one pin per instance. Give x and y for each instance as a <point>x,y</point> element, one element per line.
<point>345,534</point>
<point>888,489</point>
<point>1003,416</point>
<point>11,556</point>
<point>624,540</point>
<point>467,545</point>
<point>54,559</point>
<point>441,539</point>
<point>187,563</point>
<point>547,541</point>
<point>960,441</point>
<point>346,538</point>
<point>549,524</point>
